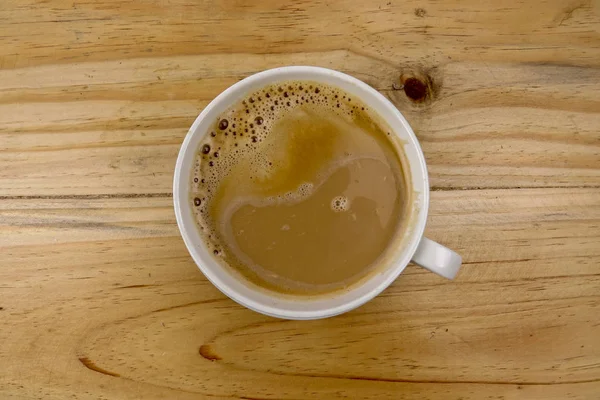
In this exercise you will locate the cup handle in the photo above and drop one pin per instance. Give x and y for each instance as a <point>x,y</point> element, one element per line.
<point>437,258</point>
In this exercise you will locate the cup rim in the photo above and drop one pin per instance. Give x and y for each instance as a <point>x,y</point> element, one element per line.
<point>416,233</point>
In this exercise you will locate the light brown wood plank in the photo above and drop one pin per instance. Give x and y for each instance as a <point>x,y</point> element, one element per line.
<point>114,127</point>
<point>424,31</point>
<point>99,299</point>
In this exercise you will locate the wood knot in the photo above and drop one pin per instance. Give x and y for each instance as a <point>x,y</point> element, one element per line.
<point>420,86</point>
<point>89,364</point>
<point>208,353</point>
<point>420,12</point>
<point>415,89</point>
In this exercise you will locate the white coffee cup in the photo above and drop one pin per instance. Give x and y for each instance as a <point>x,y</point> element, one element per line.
<point>413,246</point>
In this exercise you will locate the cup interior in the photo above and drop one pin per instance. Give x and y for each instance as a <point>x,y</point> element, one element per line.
<point>295,307</point>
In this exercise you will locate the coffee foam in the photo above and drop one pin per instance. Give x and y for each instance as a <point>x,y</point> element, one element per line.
<point>340,204</point>
<point>240,135</point>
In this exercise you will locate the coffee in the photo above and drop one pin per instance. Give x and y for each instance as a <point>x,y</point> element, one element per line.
<point>300,188</point>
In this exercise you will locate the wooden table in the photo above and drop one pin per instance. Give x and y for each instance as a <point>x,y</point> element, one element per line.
<point>99,298</point>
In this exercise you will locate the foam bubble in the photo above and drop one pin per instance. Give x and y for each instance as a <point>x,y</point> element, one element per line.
<point>340,204</point>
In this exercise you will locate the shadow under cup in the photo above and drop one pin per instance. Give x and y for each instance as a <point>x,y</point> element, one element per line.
<point>401,249</point>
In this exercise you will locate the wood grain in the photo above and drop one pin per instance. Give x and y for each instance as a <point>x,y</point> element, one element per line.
<point>99,298</point>
<point>116,127</point>
<point>103,301</point>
